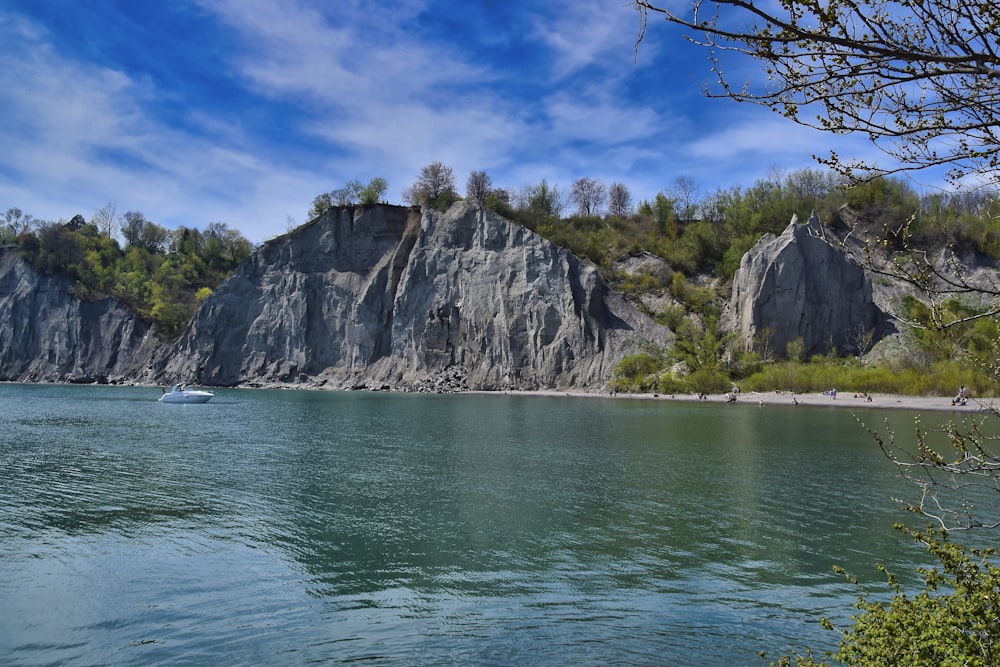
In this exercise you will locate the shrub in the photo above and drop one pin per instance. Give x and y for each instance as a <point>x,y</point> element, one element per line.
<point>637,372</point>
<point>954,620</point>
<point>708,380</point>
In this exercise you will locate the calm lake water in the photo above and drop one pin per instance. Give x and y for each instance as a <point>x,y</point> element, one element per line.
<point>291,527</point>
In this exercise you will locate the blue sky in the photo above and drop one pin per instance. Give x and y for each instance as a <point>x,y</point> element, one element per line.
<point>242,111</point>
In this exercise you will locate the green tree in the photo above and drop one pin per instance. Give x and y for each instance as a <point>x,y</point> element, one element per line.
<point>60,250</point>
<point>320,205</point>
<point>102,255</point>
<point>795,350</point>
<point>500,200</point>
<point>140,232</point>
<point>374,192</point>
<point>664,212</point>
<point>223,249</point>
<point>700,248</point>
<point>353,193</point>
<point>700,345</point>
<point>435,187</point>
<point>539,204</point>
<point>349,195</point>
<point>638,372</point>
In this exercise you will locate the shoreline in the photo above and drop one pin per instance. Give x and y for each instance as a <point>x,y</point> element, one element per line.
<point>760,399</point>
<point>974,405</point>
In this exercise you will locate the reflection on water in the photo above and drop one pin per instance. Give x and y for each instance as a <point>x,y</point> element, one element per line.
<point>281,527</point>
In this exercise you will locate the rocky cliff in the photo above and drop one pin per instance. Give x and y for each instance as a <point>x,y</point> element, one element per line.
<point>798,285</point>
<point>47,334</point>
<point>383,296</point>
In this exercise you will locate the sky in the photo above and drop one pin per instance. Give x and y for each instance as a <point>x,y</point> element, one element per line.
<point>242,111</point>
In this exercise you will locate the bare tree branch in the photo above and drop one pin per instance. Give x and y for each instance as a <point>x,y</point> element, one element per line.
<point>919,78</point>
<point>949,485</point>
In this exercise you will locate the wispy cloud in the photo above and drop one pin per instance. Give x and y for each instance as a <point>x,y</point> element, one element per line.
<point>586,33</point>
<point>77,135</point>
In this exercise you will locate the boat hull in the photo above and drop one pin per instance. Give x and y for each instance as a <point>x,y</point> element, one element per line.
<point>187,397</point>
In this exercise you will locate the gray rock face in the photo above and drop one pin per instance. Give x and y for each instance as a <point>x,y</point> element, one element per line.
<point>799,285</point>
<point>47,334</point>
<point>381,296</point>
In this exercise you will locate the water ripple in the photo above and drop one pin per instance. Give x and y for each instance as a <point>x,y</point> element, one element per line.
<point>297,527</point>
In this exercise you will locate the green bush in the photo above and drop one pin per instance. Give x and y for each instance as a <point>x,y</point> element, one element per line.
<point>708,380</point>
<point>941,379</point>
<point>953,620</point>
<point>637,373</point>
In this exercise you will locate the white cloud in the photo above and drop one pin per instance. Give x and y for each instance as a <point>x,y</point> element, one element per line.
<point>752,135</point>
<point>76,136</point>
<point>760,139</point>
<point>583,33</point>
<point>343,58</point>
<point>601,120</point>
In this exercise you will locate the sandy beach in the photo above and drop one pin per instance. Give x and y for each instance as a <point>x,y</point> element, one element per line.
<point>762,399</point>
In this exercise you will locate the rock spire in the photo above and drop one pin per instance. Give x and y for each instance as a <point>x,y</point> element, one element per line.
<point>799,285</point>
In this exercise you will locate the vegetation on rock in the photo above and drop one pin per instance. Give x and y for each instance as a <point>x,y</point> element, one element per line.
<point>353,193</point>
<point>435,187</point>
<point>162,275</point>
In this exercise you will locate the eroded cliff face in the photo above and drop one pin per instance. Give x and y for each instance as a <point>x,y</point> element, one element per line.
<point>384,297</point>
<point>798,285</point>
<point>47,334</point>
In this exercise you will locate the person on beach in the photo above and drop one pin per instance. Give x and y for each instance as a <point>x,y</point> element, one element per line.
<point>960,398</point>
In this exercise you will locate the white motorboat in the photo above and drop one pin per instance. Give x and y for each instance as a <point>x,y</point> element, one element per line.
<point>181,394</point>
